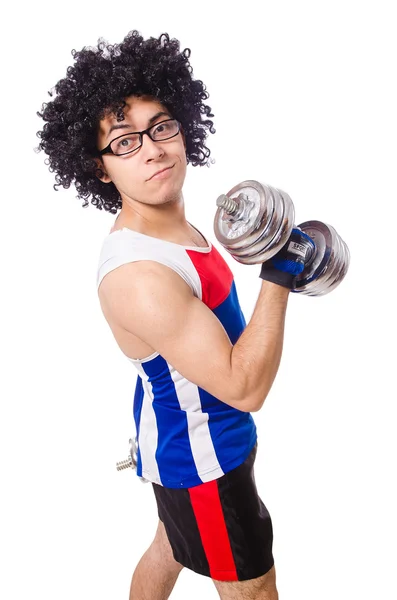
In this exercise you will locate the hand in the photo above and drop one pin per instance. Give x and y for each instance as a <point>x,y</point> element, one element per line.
<point>290,261</point>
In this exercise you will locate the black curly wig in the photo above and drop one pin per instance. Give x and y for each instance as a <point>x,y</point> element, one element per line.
<point>96,86</point>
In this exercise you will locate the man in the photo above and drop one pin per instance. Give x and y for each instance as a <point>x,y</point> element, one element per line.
<point>123,127</point>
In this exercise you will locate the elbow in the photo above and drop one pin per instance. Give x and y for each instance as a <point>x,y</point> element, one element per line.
<point>257,405</point>
<point>248,401</point>
<point>257,398</point>
<point>254,404</point>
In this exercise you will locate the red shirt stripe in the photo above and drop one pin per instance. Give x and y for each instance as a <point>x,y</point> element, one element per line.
<point>215,275</point>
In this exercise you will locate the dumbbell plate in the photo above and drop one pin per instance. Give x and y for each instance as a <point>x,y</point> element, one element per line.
<point>276,233</point>
<point>262,230</point>
<point>330,261</point>
<point>235,234</point>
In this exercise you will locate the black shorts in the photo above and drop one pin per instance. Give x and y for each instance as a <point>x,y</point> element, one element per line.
<point>221,528</point>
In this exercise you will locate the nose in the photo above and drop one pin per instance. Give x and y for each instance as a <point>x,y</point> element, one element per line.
<point>150,148</point>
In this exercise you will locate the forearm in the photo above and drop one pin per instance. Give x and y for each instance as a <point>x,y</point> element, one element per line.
<point>256,356</point>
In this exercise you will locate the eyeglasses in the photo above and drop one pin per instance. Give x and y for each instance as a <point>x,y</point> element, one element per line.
<point>130,142</point>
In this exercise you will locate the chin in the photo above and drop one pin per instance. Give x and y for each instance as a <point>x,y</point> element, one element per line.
<point>171,198</point>
<point>171,195</point>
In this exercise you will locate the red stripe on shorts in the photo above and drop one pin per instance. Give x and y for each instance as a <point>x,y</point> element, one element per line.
<point>211,523</point>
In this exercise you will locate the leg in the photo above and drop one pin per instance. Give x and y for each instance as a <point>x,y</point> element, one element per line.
<point>157,571</point>
<point>261,588</point>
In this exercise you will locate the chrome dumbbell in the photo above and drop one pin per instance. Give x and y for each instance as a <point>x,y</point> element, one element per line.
<point>131,461</point>
<point>254,221</point>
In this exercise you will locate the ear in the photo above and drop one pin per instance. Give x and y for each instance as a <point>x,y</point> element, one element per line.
<point>100,172</point>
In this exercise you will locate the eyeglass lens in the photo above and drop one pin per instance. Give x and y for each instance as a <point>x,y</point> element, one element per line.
<point>131,141</point>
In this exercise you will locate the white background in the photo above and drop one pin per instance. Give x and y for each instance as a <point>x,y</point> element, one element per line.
<point>311,88</point>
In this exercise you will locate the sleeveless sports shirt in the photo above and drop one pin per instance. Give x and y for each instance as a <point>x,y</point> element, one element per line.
<point>185,436</point>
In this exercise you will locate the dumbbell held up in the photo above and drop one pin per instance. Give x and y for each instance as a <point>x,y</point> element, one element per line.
<point>253,223</point>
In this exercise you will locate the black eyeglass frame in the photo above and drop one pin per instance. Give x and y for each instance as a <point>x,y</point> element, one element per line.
<point>108,149</point>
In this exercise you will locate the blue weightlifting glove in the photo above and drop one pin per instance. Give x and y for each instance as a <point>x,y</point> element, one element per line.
<point>290,261</point>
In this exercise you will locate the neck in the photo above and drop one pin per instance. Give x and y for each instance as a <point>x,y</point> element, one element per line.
<point>160,220</point>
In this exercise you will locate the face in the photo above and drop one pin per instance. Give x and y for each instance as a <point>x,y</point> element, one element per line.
<point>134,174</point>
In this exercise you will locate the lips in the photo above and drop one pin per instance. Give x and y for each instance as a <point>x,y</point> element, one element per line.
<point>161,171</point>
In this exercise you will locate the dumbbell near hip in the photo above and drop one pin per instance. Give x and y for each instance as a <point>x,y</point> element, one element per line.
<point>254,221</point>
<point>132,460</point>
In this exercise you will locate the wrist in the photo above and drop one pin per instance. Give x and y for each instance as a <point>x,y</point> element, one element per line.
<point>274,289</point>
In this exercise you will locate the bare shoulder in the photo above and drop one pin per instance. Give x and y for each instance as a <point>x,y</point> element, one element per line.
<point>138,294</point>
<point>142,277</point>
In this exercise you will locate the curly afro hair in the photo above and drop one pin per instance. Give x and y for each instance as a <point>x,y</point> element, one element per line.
<point>96,86</point>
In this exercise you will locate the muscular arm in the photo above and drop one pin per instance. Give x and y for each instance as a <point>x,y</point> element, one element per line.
<point>256,355</point>
<point>153,302</point>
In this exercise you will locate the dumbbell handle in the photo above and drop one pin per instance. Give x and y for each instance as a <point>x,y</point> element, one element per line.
<point>131,460</point>
<point>229,205</point>
<point>239,209</point>
<point>124,464</point>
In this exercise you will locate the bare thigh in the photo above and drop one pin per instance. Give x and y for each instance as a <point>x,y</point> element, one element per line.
<point>163,550</point>
<point>261,588</point>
